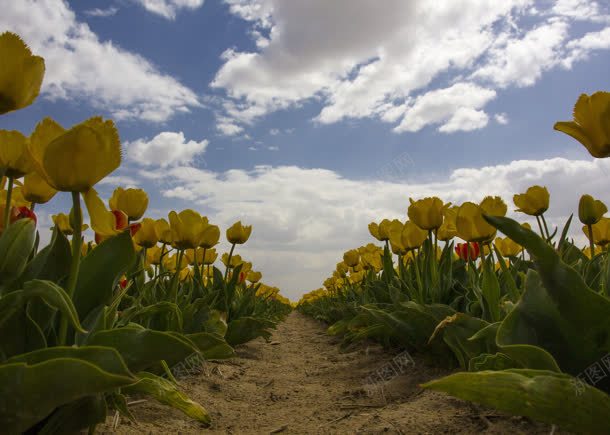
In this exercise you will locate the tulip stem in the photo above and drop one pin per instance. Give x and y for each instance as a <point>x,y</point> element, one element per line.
<point>540,226</point>
<point>75,264</point>
<point>7,206</point>
<point>229,260</point>
<point>591,244</point>
<point>546,228</point>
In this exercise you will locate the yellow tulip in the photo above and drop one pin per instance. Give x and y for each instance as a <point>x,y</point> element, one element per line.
<point>590,210</point>
<point>103,221</point>
<point>412,236</point>
<point>14,156</point>
<point>186,227</point>
<point>210,236</point>
<point>210,256</point>
<point>35,189</point>
<point>153,255</point>
<point>21,73</point>
<point>596,250</point>
<point>186,274</point>
<point>381,231</point>
<point>146,236</point>
<point>17,198</point>
<point>254,277</point>
<point>170,262</point>
<point>87,247</point>
<point>371,261</point>
<point>62,222</point>
<point>427,213</point>
<point>351,257</point>
<point>76,159</point>
<point>447,230</point>
<point>533,202</point>
<point>470,224</point>
<point>493,206</point>
<point>235,260</point>
<point>163,231</point>
<point>591,125</point>
<point>238,234</point>
<point>600,230</point>
<point>342,268</point>
<point>132,202</point>
<point>507,247</point>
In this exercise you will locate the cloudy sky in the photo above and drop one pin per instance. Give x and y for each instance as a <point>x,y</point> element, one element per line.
<point>309,119</point>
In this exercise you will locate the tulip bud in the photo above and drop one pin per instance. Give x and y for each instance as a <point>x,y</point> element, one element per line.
<point>238,234</point>
<point>590,210</point>
<point>351,258</point>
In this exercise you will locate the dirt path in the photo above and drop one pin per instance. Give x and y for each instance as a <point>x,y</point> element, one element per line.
<point>302,383</point>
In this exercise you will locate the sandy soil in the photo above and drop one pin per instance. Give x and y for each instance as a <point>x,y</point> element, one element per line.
<point>303,383</point>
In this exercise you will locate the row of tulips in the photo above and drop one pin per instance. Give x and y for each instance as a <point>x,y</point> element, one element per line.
<point>83,324</point>
<point>524,316</point>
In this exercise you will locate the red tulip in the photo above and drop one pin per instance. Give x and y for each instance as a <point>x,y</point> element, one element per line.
<point>462,250</point>
<point>22,213</point>
<point>121,222</point>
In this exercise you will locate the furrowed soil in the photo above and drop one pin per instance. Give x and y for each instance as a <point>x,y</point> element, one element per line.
<point>302,382</point>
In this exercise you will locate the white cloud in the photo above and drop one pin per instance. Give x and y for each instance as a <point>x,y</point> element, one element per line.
<point>456,108</point>
<point>165,149</point>
<point>79,65</point>
<point>522,60</point>
<point>366,59</point>
<point>120,180</point>
<point>274,131</point>
<point>501,118</point>
<point>304,219</point>
<point>98,12</point>
<point>579,49</point>
<point>169,8</point>
<point>227,127</point>
<point>273,148</point>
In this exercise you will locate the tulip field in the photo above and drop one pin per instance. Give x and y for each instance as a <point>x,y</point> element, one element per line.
<point>520,321</point>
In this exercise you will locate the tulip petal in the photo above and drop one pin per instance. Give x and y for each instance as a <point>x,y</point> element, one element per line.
<point>103,222</point>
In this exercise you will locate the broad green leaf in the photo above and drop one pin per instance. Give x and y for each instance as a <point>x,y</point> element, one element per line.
<point>144,348</point>
<point>100,270</point>
<point>248,328</point>
<point>562,315</point>
<point>29,393</point>
<point>212,346</point>
<point>546,396</point>
<point>167,393</point>
<point>16,244</point>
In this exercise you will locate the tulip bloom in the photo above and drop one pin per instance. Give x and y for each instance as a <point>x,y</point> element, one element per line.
<point>600,232</point>
<point>412,236</point>
<point>22,213</point>
<point>534,202</point>
<point>36,190</point>
<point>187,227</point>
<point>153,255</point>
<point>427,213</point>
<point>591,125</point>
<point>210,256</point>
<point>351,258</point>
<point>21,73</point>
<point>163,231</point>
<point>254,277</point>
<point>470,224</point>
<point>62,222</point>
<point>75,160</point>
<point>234,261</point>
<point>133,202</point>
<point>590,210</point>
<point>467,250</point>
<point>14,156</point>
<point>238,234</point>
<point>447,230</point>
<point>210,236</point>
<point>381,231</point>
<point>507,247</point>
<point>146,236</point>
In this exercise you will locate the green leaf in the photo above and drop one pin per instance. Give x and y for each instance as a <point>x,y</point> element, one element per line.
<point>30,392</point>
<point>144,348</point>
<point>248,328</point>
<point>52,263</point>
<point>546,396</point>
<point>100,271</point>
<point>212,346</point>
<point>167,393</point>
<point>16,244</point>
<point>557,312</point>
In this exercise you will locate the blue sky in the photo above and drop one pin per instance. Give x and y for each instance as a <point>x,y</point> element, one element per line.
<point>310,119</point>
